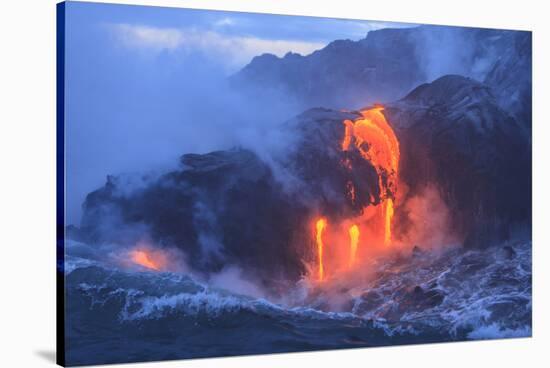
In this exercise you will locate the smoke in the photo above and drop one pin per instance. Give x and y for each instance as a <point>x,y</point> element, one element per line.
<point>232,278</point>
<point>147,256</point>
<point>132,111</point>
<point>209,237</point>
<point>422,233</point>
<point>425,220</point>
<point>443,50</point>
<point>141,255</point>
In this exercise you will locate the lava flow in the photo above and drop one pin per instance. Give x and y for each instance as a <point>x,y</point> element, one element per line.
<point>354,240</point>
<point>320,228</point>
<point>388,215</point>
<point>375,141</point>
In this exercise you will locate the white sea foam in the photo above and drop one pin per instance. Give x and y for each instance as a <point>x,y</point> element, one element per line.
<point>475,287</point>
<point>495,331</point>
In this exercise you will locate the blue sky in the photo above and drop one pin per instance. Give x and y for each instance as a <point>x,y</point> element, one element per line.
<point>145,84</point>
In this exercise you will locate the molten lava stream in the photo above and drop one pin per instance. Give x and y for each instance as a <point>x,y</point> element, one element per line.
<point>388,215</point>
<point>354,240</point>
<point>373,139</point>
<point>381,148</point>
<point>377,143</point>
<point>320,227</point>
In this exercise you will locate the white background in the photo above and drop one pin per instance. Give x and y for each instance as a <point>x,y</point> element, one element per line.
<point>27,182</point>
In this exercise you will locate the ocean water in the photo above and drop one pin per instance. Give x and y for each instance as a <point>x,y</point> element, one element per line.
<point>118,315</point>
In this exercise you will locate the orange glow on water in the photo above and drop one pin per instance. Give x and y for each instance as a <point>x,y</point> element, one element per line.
<point>354,240</point>
<point>320,227</point>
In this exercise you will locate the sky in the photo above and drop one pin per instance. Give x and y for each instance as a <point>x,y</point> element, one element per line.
<point>145,84</point>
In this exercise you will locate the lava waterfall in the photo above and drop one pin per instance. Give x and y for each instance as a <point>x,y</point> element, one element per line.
<point>370,227</point>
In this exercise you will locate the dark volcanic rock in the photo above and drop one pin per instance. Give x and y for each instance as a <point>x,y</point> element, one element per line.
<point>221,208</point>
<point>383,66</point>
<point>228,208</point>
<point>421,299</point>
<point>511,77</point>
<point>317,160</point>
<point>507,252</point>
<point>369,301</point>
<point>454,133</point>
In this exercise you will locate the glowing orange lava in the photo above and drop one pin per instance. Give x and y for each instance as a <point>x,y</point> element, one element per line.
<point>377,143</point>
<point>354,240</point>
<point>144,259</point>
<point>320,227</point>
<point>387,220</point>
<point>374,140</point>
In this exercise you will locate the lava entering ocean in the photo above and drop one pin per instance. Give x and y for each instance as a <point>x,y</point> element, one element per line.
<point>354,240</point>
<point>320,226</point>
<point>374,139</point>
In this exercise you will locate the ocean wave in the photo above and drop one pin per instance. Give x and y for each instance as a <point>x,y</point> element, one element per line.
<point>460,291</point>
<point>136,304</point>
<point>496,331</point>
<point>449,296</point>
